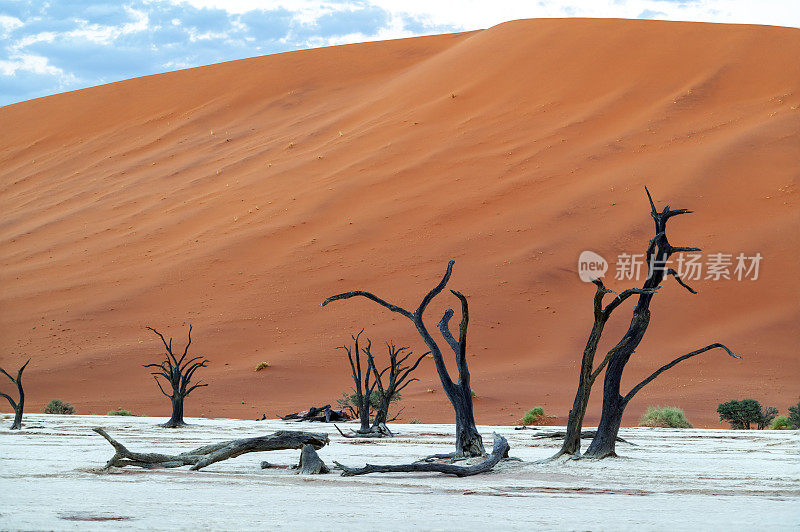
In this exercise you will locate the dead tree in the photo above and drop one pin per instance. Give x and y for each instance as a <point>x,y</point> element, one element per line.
<point>396,375</point>
<point>179,373</point>
<point>468,439</point>
<point>363,388</point>
<point>572,438</point>
<point>19,404</point>
<point>397,380</point>
<point>499,451</point>
<point>657,255</point>
<point>216,452</point>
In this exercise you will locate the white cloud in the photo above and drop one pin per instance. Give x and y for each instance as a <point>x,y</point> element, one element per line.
<point>29,63</point>
<point>476,14</point>
<point>65,45</point>
<point>9,24</point>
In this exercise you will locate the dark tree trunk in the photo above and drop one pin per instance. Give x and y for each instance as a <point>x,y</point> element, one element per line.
<point>17,418</point>
<point>614,403</point>
<point>19,404</point>
<point>572,440</point>
<point>178,372</point>
<point>362,389</point>
<point>603,444</point>
<point>177,414</point>
<point>468,439</point>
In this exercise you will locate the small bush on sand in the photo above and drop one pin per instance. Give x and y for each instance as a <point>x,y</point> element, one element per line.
<point>780,423</point>
<point>57,406</point>
<point>349,402</point>
<point>262,365</point>
<point>532,415</point>
<point>664,416</point>
<point>119,412</point>
<point>794,416</point>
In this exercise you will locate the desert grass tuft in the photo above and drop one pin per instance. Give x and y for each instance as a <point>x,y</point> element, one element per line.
<point>666,417</point>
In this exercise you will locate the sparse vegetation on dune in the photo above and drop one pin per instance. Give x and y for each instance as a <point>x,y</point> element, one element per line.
<point>119,412</point>
<point>794,416</point>
<point>57,406</point>
<point>533,415</point>
<point>665,417</point>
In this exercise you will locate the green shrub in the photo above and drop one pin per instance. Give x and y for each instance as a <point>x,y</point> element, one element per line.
<point>415,421</point>
<point>780,423</point>
<point>794,416</point>
<point>664,416</point>
<point>57,406</point>
<point>349,402</point>
<point>532,415</point>
<point>119,412</point>
<point>740,414</point>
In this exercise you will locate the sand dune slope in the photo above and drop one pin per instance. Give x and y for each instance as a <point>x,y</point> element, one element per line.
<point>236,197</point>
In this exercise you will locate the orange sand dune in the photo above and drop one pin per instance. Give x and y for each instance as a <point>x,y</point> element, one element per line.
<point>236,197</point>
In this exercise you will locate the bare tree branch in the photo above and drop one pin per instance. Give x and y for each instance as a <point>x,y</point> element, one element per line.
<point>376,299</point>
<point>665,367</point>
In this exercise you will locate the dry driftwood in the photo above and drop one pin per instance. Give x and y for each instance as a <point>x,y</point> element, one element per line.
<point>375,431</point>
<point>323,414</point>
<point>311,463</point>
<point>499,451</point>
<point>215,452</point>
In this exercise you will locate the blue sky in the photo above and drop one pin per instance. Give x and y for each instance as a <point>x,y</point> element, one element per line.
<point>52,46</point>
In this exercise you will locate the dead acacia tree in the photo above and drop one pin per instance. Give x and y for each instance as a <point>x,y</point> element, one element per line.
<point>657,256</point>
<point>397,380</point>
<point>396,376</point>
<point>363,388</point>
<point>215,452</point>
<point>179,373</point>
<point>19,404</point>
<point>468,439</point>
<point>588,374</point>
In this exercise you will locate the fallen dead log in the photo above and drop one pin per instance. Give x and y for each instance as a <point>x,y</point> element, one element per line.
<point>324,414</point>
<point>499,451</point>
<point>215,452</point>
<point>585,434</point>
